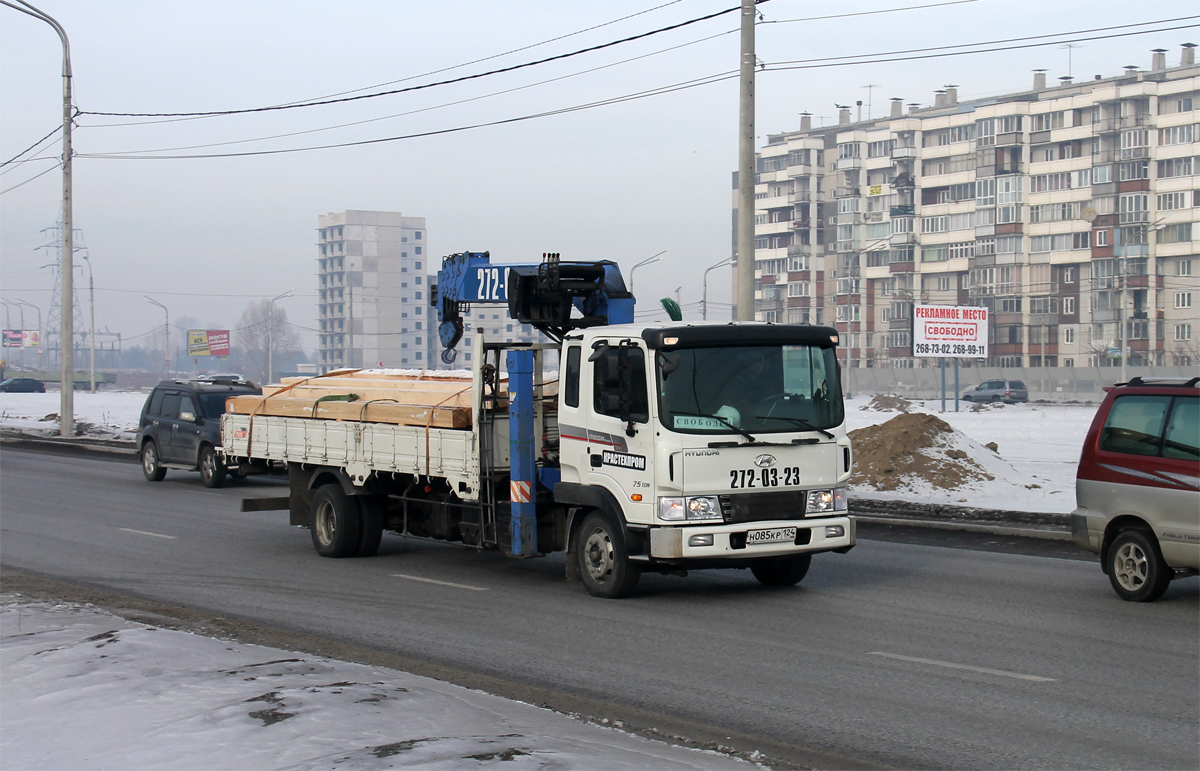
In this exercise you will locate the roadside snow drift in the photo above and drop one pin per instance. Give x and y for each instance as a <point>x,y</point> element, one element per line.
<point>84,689</point>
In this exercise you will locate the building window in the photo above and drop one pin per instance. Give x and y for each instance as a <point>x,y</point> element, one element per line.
<point>1177,135</point>
<point>1175,167</point>
<point>1068,307</point>
<point>1172,201</point>
<point>1183,299</point>
<point>1101,238</point>
<point>943,283</point>
<point>1183,331</point>
<point>418,235</point>
<point>1183,267</point>
<point>1068,335</point>
<point>1174,234</point>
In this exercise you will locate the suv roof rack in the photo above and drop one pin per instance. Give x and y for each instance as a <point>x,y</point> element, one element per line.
<point>1170,382</point>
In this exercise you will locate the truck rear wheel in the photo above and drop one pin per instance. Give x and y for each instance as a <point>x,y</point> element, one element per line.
<point>603,557</point>
<point>786,571</point>
<point>212,470</point>
<point>371,511</point>
<point>336,523</point>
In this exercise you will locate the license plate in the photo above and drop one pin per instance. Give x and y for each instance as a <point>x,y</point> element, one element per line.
<point>777,535</point>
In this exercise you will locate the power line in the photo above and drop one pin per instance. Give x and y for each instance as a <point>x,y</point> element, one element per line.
<point>833,61</point>
<point>464,78</point>
<point>32,146</point>
<point>707,80</point>
<point>419,110</point>
<point>26,182</point>
<point>868,13</point>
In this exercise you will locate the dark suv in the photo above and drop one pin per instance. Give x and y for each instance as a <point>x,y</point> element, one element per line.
<point>181,427</point>
<point>1007,391</point>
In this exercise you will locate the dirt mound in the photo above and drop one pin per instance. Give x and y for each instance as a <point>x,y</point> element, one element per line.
<point>887,403</point>
<point>911,449</point>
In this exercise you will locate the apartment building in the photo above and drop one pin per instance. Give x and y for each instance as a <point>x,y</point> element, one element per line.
<point>1068,210</point>
<point>373,294</point>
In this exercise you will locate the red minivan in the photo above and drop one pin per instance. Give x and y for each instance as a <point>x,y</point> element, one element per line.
<point>1138,486</point>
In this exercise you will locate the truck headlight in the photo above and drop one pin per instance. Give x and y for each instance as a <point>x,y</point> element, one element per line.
<point>698,507</point>
<point>824,501</point>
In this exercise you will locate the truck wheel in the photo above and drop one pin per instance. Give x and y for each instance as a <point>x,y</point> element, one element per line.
<point>1136,568</point>
<point>150,465</point>
<point>212,470</point>
<point>372,526</point>
<point>336,524</point>
<point>603,558</point>
<point>786,571</point>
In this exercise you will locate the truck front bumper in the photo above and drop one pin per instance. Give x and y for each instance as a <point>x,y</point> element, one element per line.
<point>737,541</point>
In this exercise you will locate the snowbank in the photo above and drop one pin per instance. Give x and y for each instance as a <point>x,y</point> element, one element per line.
<point>84,689</point>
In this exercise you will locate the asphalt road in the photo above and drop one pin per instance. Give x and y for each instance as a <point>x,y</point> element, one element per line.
<point>896,654</point>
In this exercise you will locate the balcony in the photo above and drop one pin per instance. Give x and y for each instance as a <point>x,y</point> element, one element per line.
<point>904,152</point>
<point>847,192</point>
<point>905,210</point>
<point>801,196</point>
<point>849,163</point>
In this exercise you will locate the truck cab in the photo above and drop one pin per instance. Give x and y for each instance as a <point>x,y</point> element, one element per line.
<point>702,445</point>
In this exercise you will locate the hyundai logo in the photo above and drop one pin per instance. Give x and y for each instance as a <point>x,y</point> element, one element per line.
<point>764,461</point>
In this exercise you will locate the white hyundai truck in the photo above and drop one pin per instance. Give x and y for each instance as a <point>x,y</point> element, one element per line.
<point>660,447</point>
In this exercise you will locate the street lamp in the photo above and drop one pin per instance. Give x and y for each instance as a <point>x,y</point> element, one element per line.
<point>39,326</point>
<point>92,306</point>
<point>271,334</point>
<point>8,324</point>
<point>646,261</point>
<point>167,332</point>
<point>66,408</point>
<point>704,297</point>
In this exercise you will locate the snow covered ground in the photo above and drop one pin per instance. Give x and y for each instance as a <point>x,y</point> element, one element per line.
<point>83,689</point>
<point>1039,444</point>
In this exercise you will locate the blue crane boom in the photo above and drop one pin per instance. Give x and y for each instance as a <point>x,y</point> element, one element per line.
<point>553,296</point>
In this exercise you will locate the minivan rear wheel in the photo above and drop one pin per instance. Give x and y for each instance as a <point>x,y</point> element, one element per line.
<point>1136,568</point>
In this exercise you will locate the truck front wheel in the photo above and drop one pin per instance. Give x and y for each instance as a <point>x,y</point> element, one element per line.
<point>336,523</point>
<point>603,558</point>
<point>786,571</point>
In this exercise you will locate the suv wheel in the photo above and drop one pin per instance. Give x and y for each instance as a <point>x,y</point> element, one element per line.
<point>1136,568</point>
<point>151,467</point>
<point>212,471</point>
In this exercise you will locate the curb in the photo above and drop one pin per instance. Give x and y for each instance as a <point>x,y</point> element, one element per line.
<point>104,449</point>
<point>1043,525</point>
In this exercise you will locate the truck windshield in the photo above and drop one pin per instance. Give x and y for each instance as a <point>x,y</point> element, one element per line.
<point>761,388</point>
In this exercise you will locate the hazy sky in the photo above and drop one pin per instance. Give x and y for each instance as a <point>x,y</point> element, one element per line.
<point>622,181</point>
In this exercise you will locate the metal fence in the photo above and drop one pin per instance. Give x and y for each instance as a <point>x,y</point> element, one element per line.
<point>1057,384</point>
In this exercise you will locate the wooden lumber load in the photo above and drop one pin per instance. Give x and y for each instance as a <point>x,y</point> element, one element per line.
<point>368,396</point>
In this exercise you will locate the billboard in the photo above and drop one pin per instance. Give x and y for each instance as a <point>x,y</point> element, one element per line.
<point>20,338</point>
<point>953,331</point>
<point>208,342</point>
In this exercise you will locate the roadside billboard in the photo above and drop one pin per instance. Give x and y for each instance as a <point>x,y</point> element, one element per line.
<point>953,331</point>
<point>21,338</point>
<point>208,342</point>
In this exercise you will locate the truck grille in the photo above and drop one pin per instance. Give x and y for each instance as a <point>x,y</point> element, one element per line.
<point>755,507</point>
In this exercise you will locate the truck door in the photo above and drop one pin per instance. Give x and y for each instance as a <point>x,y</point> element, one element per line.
<point>620,439</point>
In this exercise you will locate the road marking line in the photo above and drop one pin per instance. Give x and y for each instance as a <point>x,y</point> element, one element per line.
<point>143,532</point>
<point>950,665</point>
<point>440,583</point>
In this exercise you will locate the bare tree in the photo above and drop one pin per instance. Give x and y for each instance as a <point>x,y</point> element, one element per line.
<point>257,331</point>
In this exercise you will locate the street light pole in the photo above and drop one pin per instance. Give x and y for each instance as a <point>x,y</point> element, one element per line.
<point>39,326</point>
<point>92,334</point>
<point>271,334</point>
<point>647,261</point>
<point>66,408</point>
<point>167,341</point>
<point>704,297</point>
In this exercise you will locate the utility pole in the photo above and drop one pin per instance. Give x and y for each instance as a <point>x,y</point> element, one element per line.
<point>92,334</point>
<point>66,406</point>
<point>746,169</point>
